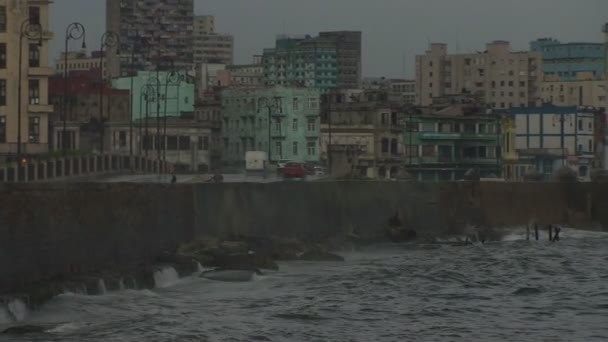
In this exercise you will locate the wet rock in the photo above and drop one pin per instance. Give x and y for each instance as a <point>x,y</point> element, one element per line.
<point>251,261</point>
<point>321,256</point>
<point>234,247</point>
<point>25,330</point>
<point>400,234</point>
<point>185,265</point>
<point>229,275</point>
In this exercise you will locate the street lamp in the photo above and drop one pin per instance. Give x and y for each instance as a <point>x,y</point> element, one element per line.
<point>109,39</point>
<point>148,96</point>
<point>171,79</point>
<point>74,31</point>
<point>134,49</point>
<point>269,106</point>
<point>29,30</point>
<point>155,81</point>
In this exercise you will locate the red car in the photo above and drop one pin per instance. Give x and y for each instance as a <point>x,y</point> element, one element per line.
<point>294,170</point>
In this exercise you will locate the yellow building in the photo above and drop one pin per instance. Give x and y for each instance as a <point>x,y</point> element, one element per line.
<point>18,28</point>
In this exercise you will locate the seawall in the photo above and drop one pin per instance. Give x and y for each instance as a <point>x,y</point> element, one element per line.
<point>53,230</point>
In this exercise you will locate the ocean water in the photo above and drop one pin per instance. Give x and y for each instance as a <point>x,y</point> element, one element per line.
<point>513,290</point>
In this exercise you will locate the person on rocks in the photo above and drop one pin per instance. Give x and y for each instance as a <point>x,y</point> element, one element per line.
<point>556,232</point>
<point>173,179</point>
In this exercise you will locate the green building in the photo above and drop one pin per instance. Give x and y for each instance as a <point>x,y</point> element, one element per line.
<point>179,94</point>
<point>306,61</point>
<point>284,122</point>
<point>442,144</point>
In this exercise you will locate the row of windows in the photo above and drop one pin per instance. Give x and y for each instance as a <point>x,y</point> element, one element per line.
<point>33,16</point>
<point>33,92</point>
<point>33,56</point>
<point>241,147</point>
<point>81,65</point>
<point>33,129</point>
<point>261,123</point>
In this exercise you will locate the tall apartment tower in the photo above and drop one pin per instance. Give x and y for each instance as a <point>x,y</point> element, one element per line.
<point>210,46</point>
<point>348,45</point>
<point>502,78</point>
<point>330,60</point>
<point>158,30</point>
<point>33,116</point>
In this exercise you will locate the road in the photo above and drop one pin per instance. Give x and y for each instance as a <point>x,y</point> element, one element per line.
<point>191,179</point>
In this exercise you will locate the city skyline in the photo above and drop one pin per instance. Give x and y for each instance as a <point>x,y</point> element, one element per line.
<point>256,24</point>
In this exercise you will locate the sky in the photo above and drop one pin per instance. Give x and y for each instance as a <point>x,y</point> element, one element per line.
<point>394,31</point>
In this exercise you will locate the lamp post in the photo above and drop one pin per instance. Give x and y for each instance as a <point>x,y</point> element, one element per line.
<point>269,106</point>
<point>155,81</point>
<point>148,95</point>
<point>134,50</point>
<point>74,31</point>
<point>109,39</point>
<point>171,79</point>
<point>29,30</point>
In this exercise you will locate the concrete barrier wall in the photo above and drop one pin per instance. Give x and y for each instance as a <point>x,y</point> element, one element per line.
<point>47,230</point>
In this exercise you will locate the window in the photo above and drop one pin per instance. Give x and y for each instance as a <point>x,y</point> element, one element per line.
<point>295,125</point>
<point>295,148</point>
<point>34,91</point>
<point>2,55</point>
<point>277,126</point>
<point>278,148</point>
<point>510,83</point>
<point>311,148</point>
<point>2,18</point>
<point>428,150</point>
<point>2,92</point>
<point>470,127</point>
<point>313,103</point>
<point>34,15</point>
<point>2,129</point>
<point>590,146</point>
<point>34,130</point>
<point>34,55</point>
<point>296,103</point>
<point>311,124</point>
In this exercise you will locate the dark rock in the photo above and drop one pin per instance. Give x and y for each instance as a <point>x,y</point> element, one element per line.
<point>321,256</point>
<point>185,265</point>
<point>244,262</point>
<point>25,329</point>
<point>400,234</point>
<point>230,275</point>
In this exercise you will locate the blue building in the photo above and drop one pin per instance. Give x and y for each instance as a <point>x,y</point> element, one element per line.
<point>565,60</point>
<point>549,137</point>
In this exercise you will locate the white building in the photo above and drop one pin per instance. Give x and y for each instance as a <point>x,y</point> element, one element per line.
<point>210,46</point>
<point>549,137</point>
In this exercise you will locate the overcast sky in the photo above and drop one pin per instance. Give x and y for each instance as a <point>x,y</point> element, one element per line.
<point>391,29</point>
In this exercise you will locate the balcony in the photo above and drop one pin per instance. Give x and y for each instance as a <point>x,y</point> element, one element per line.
<point>40,108</point>
<point>41,71</point>
<point>457,136</point>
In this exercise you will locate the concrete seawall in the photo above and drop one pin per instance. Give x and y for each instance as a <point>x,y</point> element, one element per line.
<point>54,230</point>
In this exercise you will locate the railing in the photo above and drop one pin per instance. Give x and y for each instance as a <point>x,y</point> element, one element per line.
<point>457,136</point>
<point>62,168</point>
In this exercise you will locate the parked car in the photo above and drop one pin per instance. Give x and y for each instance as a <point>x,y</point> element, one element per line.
<point>294,170</point>
<point>281,165</point>
<point>319,171</point>
<point>310,169</point>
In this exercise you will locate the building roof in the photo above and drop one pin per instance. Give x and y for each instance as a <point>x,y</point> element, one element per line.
<point>551,109</point>
<point>79,86</point>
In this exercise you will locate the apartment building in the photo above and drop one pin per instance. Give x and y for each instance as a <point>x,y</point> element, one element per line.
<point>566,60</point>
<point>156,29</point>
<point>210,46</point>
<point>331,60</point>
<point>501,77</point>
<point>24,124</point>
<point>452,136</point>
<point>585,89</point>
<point>361,134</point>
<point>284,121</point>
<point>549,137</point>
<point>80,61</point>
